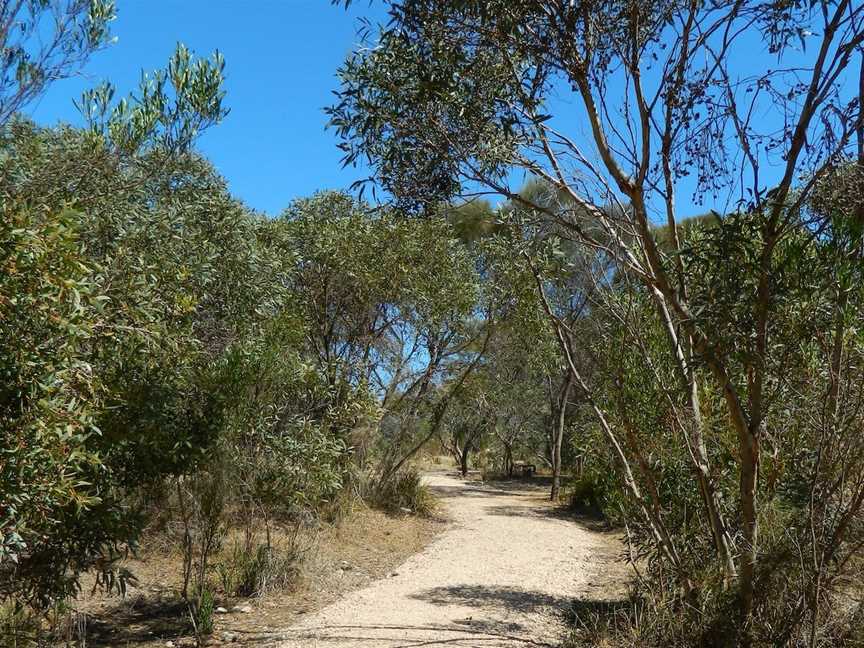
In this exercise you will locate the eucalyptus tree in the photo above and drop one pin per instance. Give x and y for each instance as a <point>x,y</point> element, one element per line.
<point>150,286</point>
<point>110,287</point>
<point>674,97</point>
<point>468,420</point>
<point>516,396</point>
<point>570,281</point>
<point>392,305</point>
<point>525,340</point>
<point>44,41</point>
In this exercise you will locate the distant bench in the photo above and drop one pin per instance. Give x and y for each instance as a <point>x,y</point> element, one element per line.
<point>525,469</point>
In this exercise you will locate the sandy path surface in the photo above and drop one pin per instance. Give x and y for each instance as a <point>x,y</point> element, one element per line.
<point>501,575</point>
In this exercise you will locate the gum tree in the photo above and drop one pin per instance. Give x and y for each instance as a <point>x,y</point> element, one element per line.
<point>45,40</point>
<point>746,105</point>
<point>113,298</point>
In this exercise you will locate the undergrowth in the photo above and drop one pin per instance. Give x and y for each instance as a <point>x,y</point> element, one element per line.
<point>405,493</point>
<point>263,570</point>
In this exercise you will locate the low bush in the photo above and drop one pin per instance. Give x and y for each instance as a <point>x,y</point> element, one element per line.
<point>406,492</point>
<point>19,625</point>
<point>492,473</point>
<point>261,571</point>
<point>585,496</point>
<point>650,618</point>
<point>202,612</point>
<point>596,623</point>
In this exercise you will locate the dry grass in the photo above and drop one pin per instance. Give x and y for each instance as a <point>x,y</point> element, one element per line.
<point>368,544</point>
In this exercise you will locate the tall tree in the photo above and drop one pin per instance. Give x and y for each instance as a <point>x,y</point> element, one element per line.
<point>454,95</point>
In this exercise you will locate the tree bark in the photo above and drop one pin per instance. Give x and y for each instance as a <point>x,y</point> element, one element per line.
<point>558,437</point>
<point>463,459</point>
<point>655,523</point>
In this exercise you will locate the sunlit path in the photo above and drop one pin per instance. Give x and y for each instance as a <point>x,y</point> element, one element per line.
<point>503,575</point>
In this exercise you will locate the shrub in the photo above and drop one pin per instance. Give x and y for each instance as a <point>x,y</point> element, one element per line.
<point>261,571</point>
<point>406,492</point>
<point>202,612</point>
<point>585,496</point>
<point>116,309</point>
<point>56,505</point>
<point>598,623</point>
<point>19,625</point>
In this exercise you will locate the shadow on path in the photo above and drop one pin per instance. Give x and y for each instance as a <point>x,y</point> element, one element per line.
<point>507,598</point>
<point>482,635</point>
<point>132,621</point>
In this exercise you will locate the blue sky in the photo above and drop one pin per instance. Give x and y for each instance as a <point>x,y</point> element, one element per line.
<point>281,59</point>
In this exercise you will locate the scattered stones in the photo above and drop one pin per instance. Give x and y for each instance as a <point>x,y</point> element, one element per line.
<point>220,610</point>
<point>169,644</point>
<point>243,609</point>
<point>229,637</point>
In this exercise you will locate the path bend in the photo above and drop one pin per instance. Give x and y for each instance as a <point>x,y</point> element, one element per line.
<point>501,574</point>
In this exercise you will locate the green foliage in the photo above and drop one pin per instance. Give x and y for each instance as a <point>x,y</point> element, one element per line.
<point>686,228</point>
<point>123,286</point>
<point>259,571</point>
<point>45,41</point>
<point>203,613</point>
<point>284,442</point>
<point>473,220</point>
<point>168,336</point>
<point>160,337</point>
<point>374,262</point>
<point>406,492</point>
<point>585,495</point>
<point>391,306</point>
<point>19,625</point>
<point>50,305</point>
<point>408,83</point>
<point>172,106</point>
<point>809,298</point>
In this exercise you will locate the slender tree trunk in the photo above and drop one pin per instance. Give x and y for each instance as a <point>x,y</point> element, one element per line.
<point>719,528</point>
<point>696,438</point>
<point>749,479</point>
<point>464,459</point>
<point>558,437</point>
<point>658,529</point>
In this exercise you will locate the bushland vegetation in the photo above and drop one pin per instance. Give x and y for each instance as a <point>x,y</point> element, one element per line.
<point>174,362</point>
<point>713,361</point>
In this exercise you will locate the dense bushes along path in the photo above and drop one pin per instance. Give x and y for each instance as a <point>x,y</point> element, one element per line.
<point>501,575</point>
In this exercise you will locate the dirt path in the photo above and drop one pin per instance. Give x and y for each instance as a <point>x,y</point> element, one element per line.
<point>501,575</point>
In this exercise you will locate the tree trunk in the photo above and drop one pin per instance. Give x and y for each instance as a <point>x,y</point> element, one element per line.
<point>439,411</point>
<point>463,460</point>
<point>558,437</point>
<point>655,523</point>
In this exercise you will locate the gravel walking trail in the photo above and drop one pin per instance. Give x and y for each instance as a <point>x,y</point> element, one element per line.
<point>502,574</point>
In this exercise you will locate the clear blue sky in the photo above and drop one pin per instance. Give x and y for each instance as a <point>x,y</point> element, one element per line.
<point>281,59</point>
